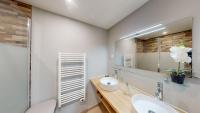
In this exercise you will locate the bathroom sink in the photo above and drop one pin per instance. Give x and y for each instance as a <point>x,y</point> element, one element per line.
<point>147,104</point>
<point>109,83</point>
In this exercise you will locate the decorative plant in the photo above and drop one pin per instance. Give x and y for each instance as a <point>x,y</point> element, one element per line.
<point>180,55</point>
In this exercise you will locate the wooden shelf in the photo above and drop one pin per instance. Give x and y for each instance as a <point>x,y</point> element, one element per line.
<point>107,106</point>
<point>105,103</point>
<point>99,95</point>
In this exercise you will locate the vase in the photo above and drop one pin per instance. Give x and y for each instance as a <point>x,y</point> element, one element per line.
<point>174,76</point>
<point>179,79</point>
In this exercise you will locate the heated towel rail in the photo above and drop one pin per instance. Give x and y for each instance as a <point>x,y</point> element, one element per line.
<point>71,78</point>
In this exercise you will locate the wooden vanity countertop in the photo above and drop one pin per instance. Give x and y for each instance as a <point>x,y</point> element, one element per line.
<point>120,101</point>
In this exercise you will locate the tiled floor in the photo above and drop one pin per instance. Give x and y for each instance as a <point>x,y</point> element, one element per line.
<point>98,109</point>
<point>95,110</point>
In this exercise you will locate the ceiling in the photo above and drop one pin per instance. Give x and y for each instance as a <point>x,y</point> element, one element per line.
<point>101,13</point>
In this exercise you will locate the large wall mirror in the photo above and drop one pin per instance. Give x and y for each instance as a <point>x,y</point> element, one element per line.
<point>149,48</point>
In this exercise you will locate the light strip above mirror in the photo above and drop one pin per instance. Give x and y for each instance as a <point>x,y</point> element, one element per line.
<point>143,32</point>
<point>146,33</point>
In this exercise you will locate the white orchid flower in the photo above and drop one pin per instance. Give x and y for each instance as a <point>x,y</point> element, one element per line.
<point>180,54</point>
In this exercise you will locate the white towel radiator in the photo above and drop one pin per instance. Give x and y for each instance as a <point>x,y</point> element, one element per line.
<point>71,78</point>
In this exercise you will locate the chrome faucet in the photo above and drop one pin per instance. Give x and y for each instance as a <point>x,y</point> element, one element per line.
<point>107,75</point>
<point>116,73</point>
<point>159,91</point>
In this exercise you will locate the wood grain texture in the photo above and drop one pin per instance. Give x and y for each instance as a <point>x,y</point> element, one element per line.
<point>14,17</point>
<point>118,100</point>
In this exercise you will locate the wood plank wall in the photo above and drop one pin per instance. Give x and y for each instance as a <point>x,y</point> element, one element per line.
<point>151,45</point>
<point>14,17</point>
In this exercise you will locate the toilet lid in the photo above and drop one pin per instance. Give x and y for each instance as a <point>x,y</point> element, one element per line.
<point>45,107</point>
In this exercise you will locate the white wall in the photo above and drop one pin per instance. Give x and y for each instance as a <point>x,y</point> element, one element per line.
<point>13,78</point>
<point>147,61</point>
<point>155,11</point>
<point>52,34</point>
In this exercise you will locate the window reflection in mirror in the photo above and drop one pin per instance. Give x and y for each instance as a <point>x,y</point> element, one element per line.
<point>149,48</point>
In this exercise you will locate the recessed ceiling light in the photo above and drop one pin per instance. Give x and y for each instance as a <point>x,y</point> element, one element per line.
<point>69,1</point>
<point>71,5</point>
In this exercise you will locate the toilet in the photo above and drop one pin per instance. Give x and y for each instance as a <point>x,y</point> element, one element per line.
<point>44,107</point>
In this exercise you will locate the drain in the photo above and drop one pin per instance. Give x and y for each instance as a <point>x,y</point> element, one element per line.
<point>108,83</point>
<point>150,111</point>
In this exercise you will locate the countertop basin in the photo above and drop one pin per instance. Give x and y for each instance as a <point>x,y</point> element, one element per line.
<point>147,104</point>
<point>109,83</point>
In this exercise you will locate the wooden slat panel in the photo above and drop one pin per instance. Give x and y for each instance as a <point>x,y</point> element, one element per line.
<point>13,22</point>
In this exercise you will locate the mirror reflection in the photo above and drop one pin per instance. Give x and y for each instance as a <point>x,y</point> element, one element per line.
<point>149,49</point>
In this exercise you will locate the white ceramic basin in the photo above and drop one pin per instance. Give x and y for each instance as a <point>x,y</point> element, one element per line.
<point>147,104</point>
<point>109,83</point>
